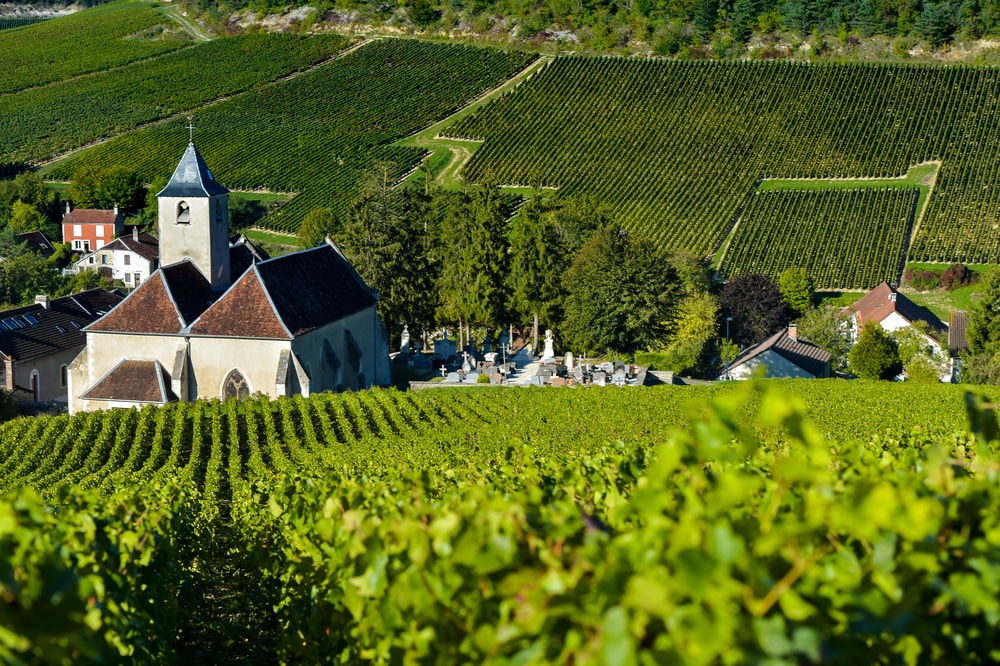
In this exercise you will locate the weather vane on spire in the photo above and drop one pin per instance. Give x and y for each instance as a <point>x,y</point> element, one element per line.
<point>190,129</point>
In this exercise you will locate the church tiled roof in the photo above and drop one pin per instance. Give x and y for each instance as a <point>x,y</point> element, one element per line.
<point>133,381</point>
<point>192,178</point>
<point>314,287</point>
<point>245,312</point>
<point>242,254</point>
<point>167,302</point>
<point>287,296</point>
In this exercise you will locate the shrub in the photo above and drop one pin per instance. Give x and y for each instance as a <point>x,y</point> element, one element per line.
<point>957,275</point>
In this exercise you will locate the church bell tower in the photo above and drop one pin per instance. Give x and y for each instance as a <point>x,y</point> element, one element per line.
<point>194,219</point>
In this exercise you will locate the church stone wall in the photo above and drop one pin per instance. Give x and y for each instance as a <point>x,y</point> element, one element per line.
<point>204,238</point>
<point>106,350</point>
<point>366,332</point>
<point>212,359</point>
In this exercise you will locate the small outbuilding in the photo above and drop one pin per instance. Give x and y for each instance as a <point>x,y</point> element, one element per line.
<point>782,355</point>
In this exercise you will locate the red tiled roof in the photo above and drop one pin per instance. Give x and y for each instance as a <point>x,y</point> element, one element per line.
<point>90,216</point>
<point>883,300</point>
<point>245,311</point>
<point>957,326</point>
<point>148,309</point>
<point>134,381</point>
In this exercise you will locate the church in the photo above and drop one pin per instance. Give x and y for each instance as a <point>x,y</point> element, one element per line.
<point>210,324</point>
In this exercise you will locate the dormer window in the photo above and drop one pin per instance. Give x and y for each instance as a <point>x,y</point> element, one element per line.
<point>183,213</point>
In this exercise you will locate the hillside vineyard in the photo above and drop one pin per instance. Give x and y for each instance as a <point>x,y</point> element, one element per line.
<point>676,147</point>
<point>317,134</point>
<point>819,230</point>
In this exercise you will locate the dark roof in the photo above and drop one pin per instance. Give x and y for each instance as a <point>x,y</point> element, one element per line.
<point>90,216</point>
<point>242,254</point>
<point>146,246</point>
<point>167,302</point>
<point>134,381</point>
<point>883,300</point>
<point>192,178</point>
<point>58,328</point>
<point>957,324</point>
<point>314,287</point>
<point>301,291</point>
<point>245,312</point>
<point>801,352</point>
<point>36,242</point>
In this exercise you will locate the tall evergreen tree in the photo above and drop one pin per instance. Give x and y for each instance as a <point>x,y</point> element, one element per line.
<point>539,257</point>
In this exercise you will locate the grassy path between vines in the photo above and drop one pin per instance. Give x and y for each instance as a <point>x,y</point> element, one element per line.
<point>449,156</point>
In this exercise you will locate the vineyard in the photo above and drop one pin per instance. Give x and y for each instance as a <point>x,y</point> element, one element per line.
<point>35,125</point>
<point>484,525</point>
<point>100,38</point>
<point>844,239</point>
<point>675,148</point>
<point>318,133</point>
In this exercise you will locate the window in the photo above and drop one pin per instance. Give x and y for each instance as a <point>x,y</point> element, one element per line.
<point>218,211</point>
<point>30,319</point>
<point>77,245</point>
<point>90,260</point>
<point>86,246</point>
<point>77,230</point>
<point>128,278</point>
<point>183,213</point>
<point>128,259</point>
<point>100,231</point>
<point>62,376</point>
<point>137,278</point>
<point>104,259</point>
<point>235,386</point>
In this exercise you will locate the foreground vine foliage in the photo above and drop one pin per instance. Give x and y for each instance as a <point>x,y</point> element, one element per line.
<point>425,528</point>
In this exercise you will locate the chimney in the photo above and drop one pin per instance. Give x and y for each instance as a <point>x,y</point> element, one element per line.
<point>43,300</point>
<point>135,233</point>
<point>67,209</point>
<point>116,209</point>
<point>793,332</point>
<point>892,297</point>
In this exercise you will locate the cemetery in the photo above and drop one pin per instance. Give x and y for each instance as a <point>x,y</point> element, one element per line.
<point>475,365</point>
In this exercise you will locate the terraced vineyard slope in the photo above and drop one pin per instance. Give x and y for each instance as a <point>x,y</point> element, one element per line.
<point>317,133</point>
<point>676,147</point>
<point>845,239</point>
<point>39,123</point>
<point>107,36</point>
<point>453,526</point>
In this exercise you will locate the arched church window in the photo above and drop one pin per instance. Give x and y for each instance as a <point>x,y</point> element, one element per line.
<point>235,386</point>
<point>218,211</point>
<point>183,213</point>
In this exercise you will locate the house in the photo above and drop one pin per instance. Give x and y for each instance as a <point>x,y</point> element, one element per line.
<point>37,242</point>
<point>38,342</point>
<point>784,354</point>
<point>958,322</point>
<point>87,229</point>
<point>207,326</point>
<point>894,311</point>
<point>131,258</point>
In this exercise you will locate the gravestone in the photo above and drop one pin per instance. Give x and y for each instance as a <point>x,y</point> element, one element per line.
<point>453,378</point>
<point>599,377</point>
<point>569,361</point>
<point>466,366</point>
<point>445,348</point>
<point>618,379</point>
<point>558,381</point>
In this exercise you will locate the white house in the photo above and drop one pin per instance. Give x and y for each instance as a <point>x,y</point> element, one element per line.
<point>784,354</point>
<point>131,258</point>
<point>894,311</point>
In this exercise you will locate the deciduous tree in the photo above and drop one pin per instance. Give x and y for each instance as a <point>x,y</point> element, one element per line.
<point>756,307</point>
<point>797,289</point>
<point>876,354</point>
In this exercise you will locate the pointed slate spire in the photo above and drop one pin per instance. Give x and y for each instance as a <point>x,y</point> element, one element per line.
<point>192,178</point>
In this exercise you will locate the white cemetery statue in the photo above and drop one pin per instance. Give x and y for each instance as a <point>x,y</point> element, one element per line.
<point>570,362</point>
<point>549,354</point>
<point>404,340</point>
<point>466,367</point>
